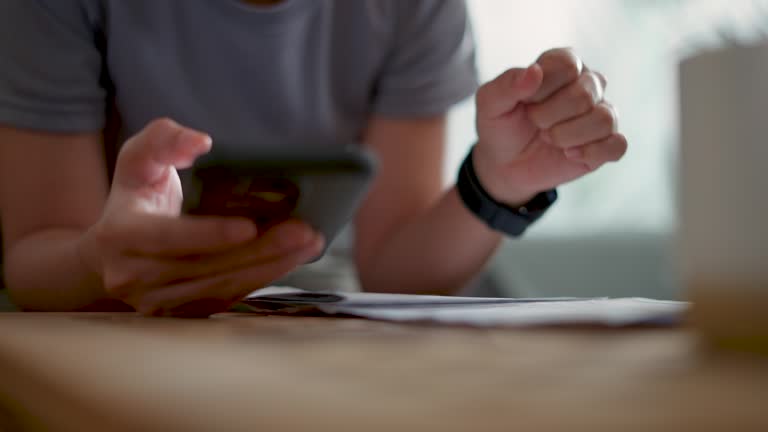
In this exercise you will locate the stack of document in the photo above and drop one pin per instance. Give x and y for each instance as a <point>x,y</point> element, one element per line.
<point>471,311</point>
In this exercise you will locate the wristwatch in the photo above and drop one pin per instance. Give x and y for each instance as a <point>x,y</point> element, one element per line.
<point>512,221</point>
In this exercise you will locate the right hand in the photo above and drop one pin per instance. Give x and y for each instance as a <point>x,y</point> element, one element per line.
<point>164,263</point>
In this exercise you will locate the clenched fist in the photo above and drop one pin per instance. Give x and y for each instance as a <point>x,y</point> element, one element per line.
<point>543,126</point>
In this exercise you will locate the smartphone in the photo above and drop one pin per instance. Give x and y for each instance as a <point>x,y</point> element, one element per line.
<point>321,186</point>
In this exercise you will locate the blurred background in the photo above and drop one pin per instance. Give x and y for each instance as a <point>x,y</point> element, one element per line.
<point>612,232</point>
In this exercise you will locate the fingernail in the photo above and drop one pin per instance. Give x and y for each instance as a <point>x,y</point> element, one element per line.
<point>309,257</point>
<point>574,152</point>
<point>315,250</point>
<point>241,230</point>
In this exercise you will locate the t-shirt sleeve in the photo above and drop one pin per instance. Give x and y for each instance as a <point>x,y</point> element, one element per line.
<point>50,67</point>
<point>432,63</point>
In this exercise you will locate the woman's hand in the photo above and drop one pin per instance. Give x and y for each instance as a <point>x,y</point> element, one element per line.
<point>164,263</point>
<point>543,126</point>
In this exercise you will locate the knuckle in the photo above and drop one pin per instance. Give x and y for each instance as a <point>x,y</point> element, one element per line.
<point>556,136</point>
<point>157,128</point>
<point>119,284</point>
<point>561,66</point>
<point>483,95</point>
<point>594,165</point>
<point>536,115</point>
<point>583,98</point>
<point>614,111</point>
<point>601,78</point>
<point>592,159</point>
<point>592,81</point>
<point>107,235</point>
<point>565,63</point>
<point>605,117</point>
<point>570,68</point>
<point>159,124</point>
<point>621,146</point>
<point>509,78</point>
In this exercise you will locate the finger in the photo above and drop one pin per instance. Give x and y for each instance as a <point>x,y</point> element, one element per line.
<point>603,80</point>
<point>175,236</point>
<point>595,154</point>
<point>284,239</point>
<point>576,99</point>
<point>599,123</point>
<point>227,288</point>
<point>163,143</point>
<point>280,238</point>
<point>255,255</point>
<point>141,273</point>
<point>503,94</point>
<point>561,67</point>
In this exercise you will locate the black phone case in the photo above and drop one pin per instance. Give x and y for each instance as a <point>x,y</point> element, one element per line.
<point>321,186</point>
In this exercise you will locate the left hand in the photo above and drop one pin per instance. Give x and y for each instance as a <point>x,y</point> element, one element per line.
<point>542,126</point>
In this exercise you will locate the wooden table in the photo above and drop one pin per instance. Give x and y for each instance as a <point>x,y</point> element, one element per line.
<point>244,372</point>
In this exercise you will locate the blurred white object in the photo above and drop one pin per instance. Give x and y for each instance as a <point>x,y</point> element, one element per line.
<point>723,181</point>
<point>473,311</point>
<point>724,144</point>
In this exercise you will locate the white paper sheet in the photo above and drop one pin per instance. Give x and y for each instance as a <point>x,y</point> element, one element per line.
<point>490,312</point>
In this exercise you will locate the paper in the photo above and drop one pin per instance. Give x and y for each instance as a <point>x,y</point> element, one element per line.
<point>472,311</point>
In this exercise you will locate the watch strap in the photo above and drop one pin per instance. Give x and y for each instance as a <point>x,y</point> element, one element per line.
<point>512,221</point>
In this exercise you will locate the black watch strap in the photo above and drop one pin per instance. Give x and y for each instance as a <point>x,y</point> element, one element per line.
<point>512,221</point>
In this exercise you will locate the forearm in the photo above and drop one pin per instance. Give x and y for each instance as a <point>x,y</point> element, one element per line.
<point>44,272</point>
<point>437,252</point>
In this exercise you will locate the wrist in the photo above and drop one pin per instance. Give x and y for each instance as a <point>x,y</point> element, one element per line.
<point>491,175</point>
<point>512,220</point>
<point>47,272</point>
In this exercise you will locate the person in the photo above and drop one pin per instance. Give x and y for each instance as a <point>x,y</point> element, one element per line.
<point>92,224</point>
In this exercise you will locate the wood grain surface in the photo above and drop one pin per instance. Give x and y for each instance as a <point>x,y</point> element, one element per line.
<point>78,372</point>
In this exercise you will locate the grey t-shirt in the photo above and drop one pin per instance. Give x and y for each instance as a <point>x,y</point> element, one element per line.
<point>300,72</point>
<point>305,71</point>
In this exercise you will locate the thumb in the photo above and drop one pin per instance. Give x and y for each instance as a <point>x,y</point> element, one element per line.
<point>503,94</point>
<point>162,144</point>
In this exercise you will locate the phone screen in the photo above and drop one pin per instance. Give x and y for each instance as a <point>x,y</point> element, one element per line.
<point>320,186</point>
<point>265,199</point>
